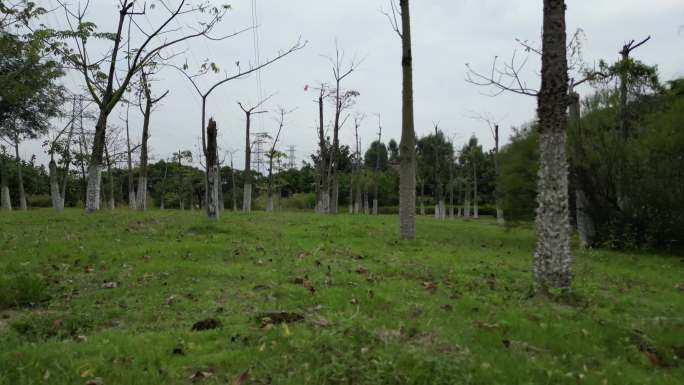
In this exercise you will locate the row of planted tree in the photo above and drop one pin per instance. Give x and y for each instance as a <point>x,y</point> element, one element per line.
<point>451,182</point>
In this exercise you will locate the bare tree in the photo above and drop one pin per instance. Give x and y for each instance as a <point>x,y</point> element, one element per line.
<point>273,154</point>
<point>322,186</point>
<point>357,170</point>
<point>238,74</point>
<point>343,100</point>
<point>150,102</point>
<point>107,89</point>
<point>249,111</point>
<point>376,178</point>
<point>624,111</point>
<point>407,152</point>
<point>62,146</point>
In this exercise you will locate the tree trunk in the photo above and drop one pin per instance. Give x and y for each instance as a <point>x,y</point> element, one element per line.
<point>5,200</point>
<point>351,191</point>
<point>269,199</point>
<point>476,211</point>
<point>20,178</point>
<point>213,174</point>
<point>335,194</point>
<point>247,193</point>
<point>407,155</point>
<point>132,204</point>
<point>552,257</point>
<point>585,224</point>
<point>112,203</point>
<point>142,178</point>
<point>323,201</point>
<point>94,168</point>
<point>497,187</point>
<point>57,202</point>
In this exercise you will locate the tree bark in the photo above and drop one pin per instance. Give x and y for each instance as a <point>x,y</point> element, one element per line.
<point>247,192</point>
<point>323,201</point>
<point>112,202</point>
<point>132,204</point>
<point>497,187</point>
<point>141,199</point>
<point>213,175</point>
<point>54,187</point>
<point>476,209</point>
<point>20,178</point>
<point>585,224</point>
<point>95,166</point>
<point>552,257</point>
<point>407,155</point>
<point>5,200</point>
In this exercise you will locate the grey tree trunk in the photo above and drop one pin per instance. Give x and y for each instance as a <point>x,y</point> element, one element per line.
<point>112,203</point>
<point>132,204</point>
<point>476,209</point>
<point>552,257</point>
<point>585,224</point>
<point>5,200</point>
<point>213,174</point>
<point>497,187</point>
<point>335,195</point>
<point>20,178</point>
<point>247,193</point>
<point>95,167</point>
<point>407,152</point>
<point>323,191</point>
<point>55,196</point>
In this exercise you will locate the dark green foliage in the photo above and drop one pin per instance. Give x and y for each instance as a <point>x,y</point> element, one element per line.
<point>635,185</point>
<point>371,156</point>
<point>519,162</point>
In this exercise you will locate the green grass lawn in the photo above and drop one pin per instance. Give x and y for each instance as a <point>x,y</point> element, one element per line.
<point>111,298</point>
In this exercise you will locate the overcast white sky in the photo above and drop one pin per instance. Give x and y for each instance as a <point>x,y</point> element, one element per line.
<point>446,35</point>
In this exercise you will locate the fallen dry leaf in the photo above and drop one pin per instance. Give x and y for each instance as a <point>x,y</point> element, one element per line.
<point>239,380</point>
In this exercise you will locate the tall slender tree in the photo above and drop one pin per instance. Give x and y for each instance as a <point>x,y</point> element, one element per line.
<point>407,147</point>
<point>149,103</point>
<point>247,189</point>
